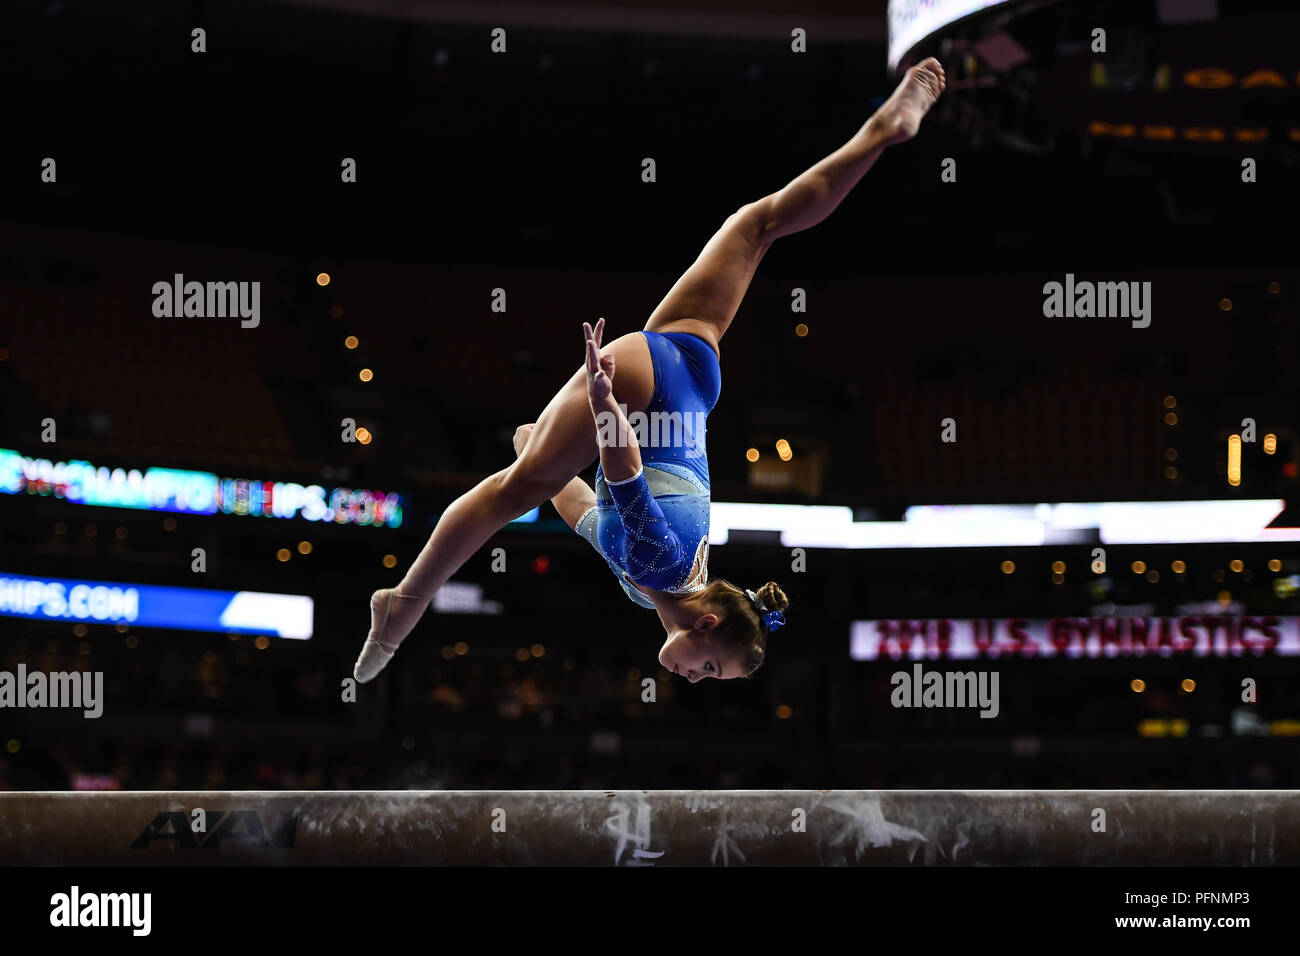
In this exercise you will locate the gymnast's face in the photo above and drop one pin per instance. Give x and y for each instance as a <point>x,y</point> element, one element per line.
<point>694,653</point>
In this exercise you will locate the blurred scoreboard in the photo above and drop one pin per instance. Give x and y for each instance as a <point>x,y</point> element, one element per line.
<point>912,21</point>
<point>1203,635</point>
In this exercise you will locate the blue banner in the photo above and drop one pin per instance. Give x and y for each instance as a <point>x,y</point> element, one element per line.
<point>189,609</point>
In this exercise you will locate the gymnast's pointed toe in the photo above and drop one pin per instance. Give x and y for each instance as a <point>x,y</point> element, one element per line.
<point>392,615</point>
<point>374,657</point>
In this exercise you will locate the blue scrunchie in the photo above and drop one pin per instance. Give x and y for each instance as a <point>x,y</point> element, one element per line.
<point>771,619</point>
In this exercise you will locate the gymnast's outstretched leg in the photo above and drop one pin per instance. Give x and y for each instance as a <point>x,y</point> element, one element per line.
<point>703,301</point>
<point>561,445</point>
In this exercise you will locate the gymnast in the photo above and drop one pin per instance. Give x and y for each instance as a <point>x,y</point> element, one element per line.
<point>648,515</point>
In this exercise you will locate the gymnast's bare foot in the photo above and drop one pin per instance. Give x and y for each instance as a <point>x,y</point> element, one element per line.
<point>900,116</point>
<point>392,616</point>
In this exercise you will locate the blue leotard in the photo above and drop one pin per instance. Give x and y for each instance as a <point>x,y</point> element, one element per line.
<point>653,528</point>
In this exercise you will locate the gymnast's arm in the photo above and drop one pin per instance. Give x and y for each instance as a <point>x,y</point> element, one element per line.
<point>653,551</point>
<point>575,500</point>
<point>620,455</point>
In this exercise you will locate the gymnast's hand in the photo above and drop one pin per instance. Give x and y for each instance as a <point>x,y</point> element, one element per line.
<point>600,368</point>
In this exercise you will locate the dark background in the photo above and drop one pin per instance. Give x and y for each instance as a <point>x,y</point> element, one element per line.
<point>522,171</point>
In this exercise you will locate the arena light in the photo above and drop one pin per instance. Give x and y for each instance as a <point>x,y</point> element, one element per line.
<point>1028,525</point>
<point>1191,522</point>
<point>1234,460</point>
<point>141,605</point>
<point>902,534</point>
<point>831,521</point>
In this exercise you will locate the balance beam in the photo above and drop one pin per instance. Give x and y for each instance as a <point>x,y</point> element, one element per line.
<point>654,828</point>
